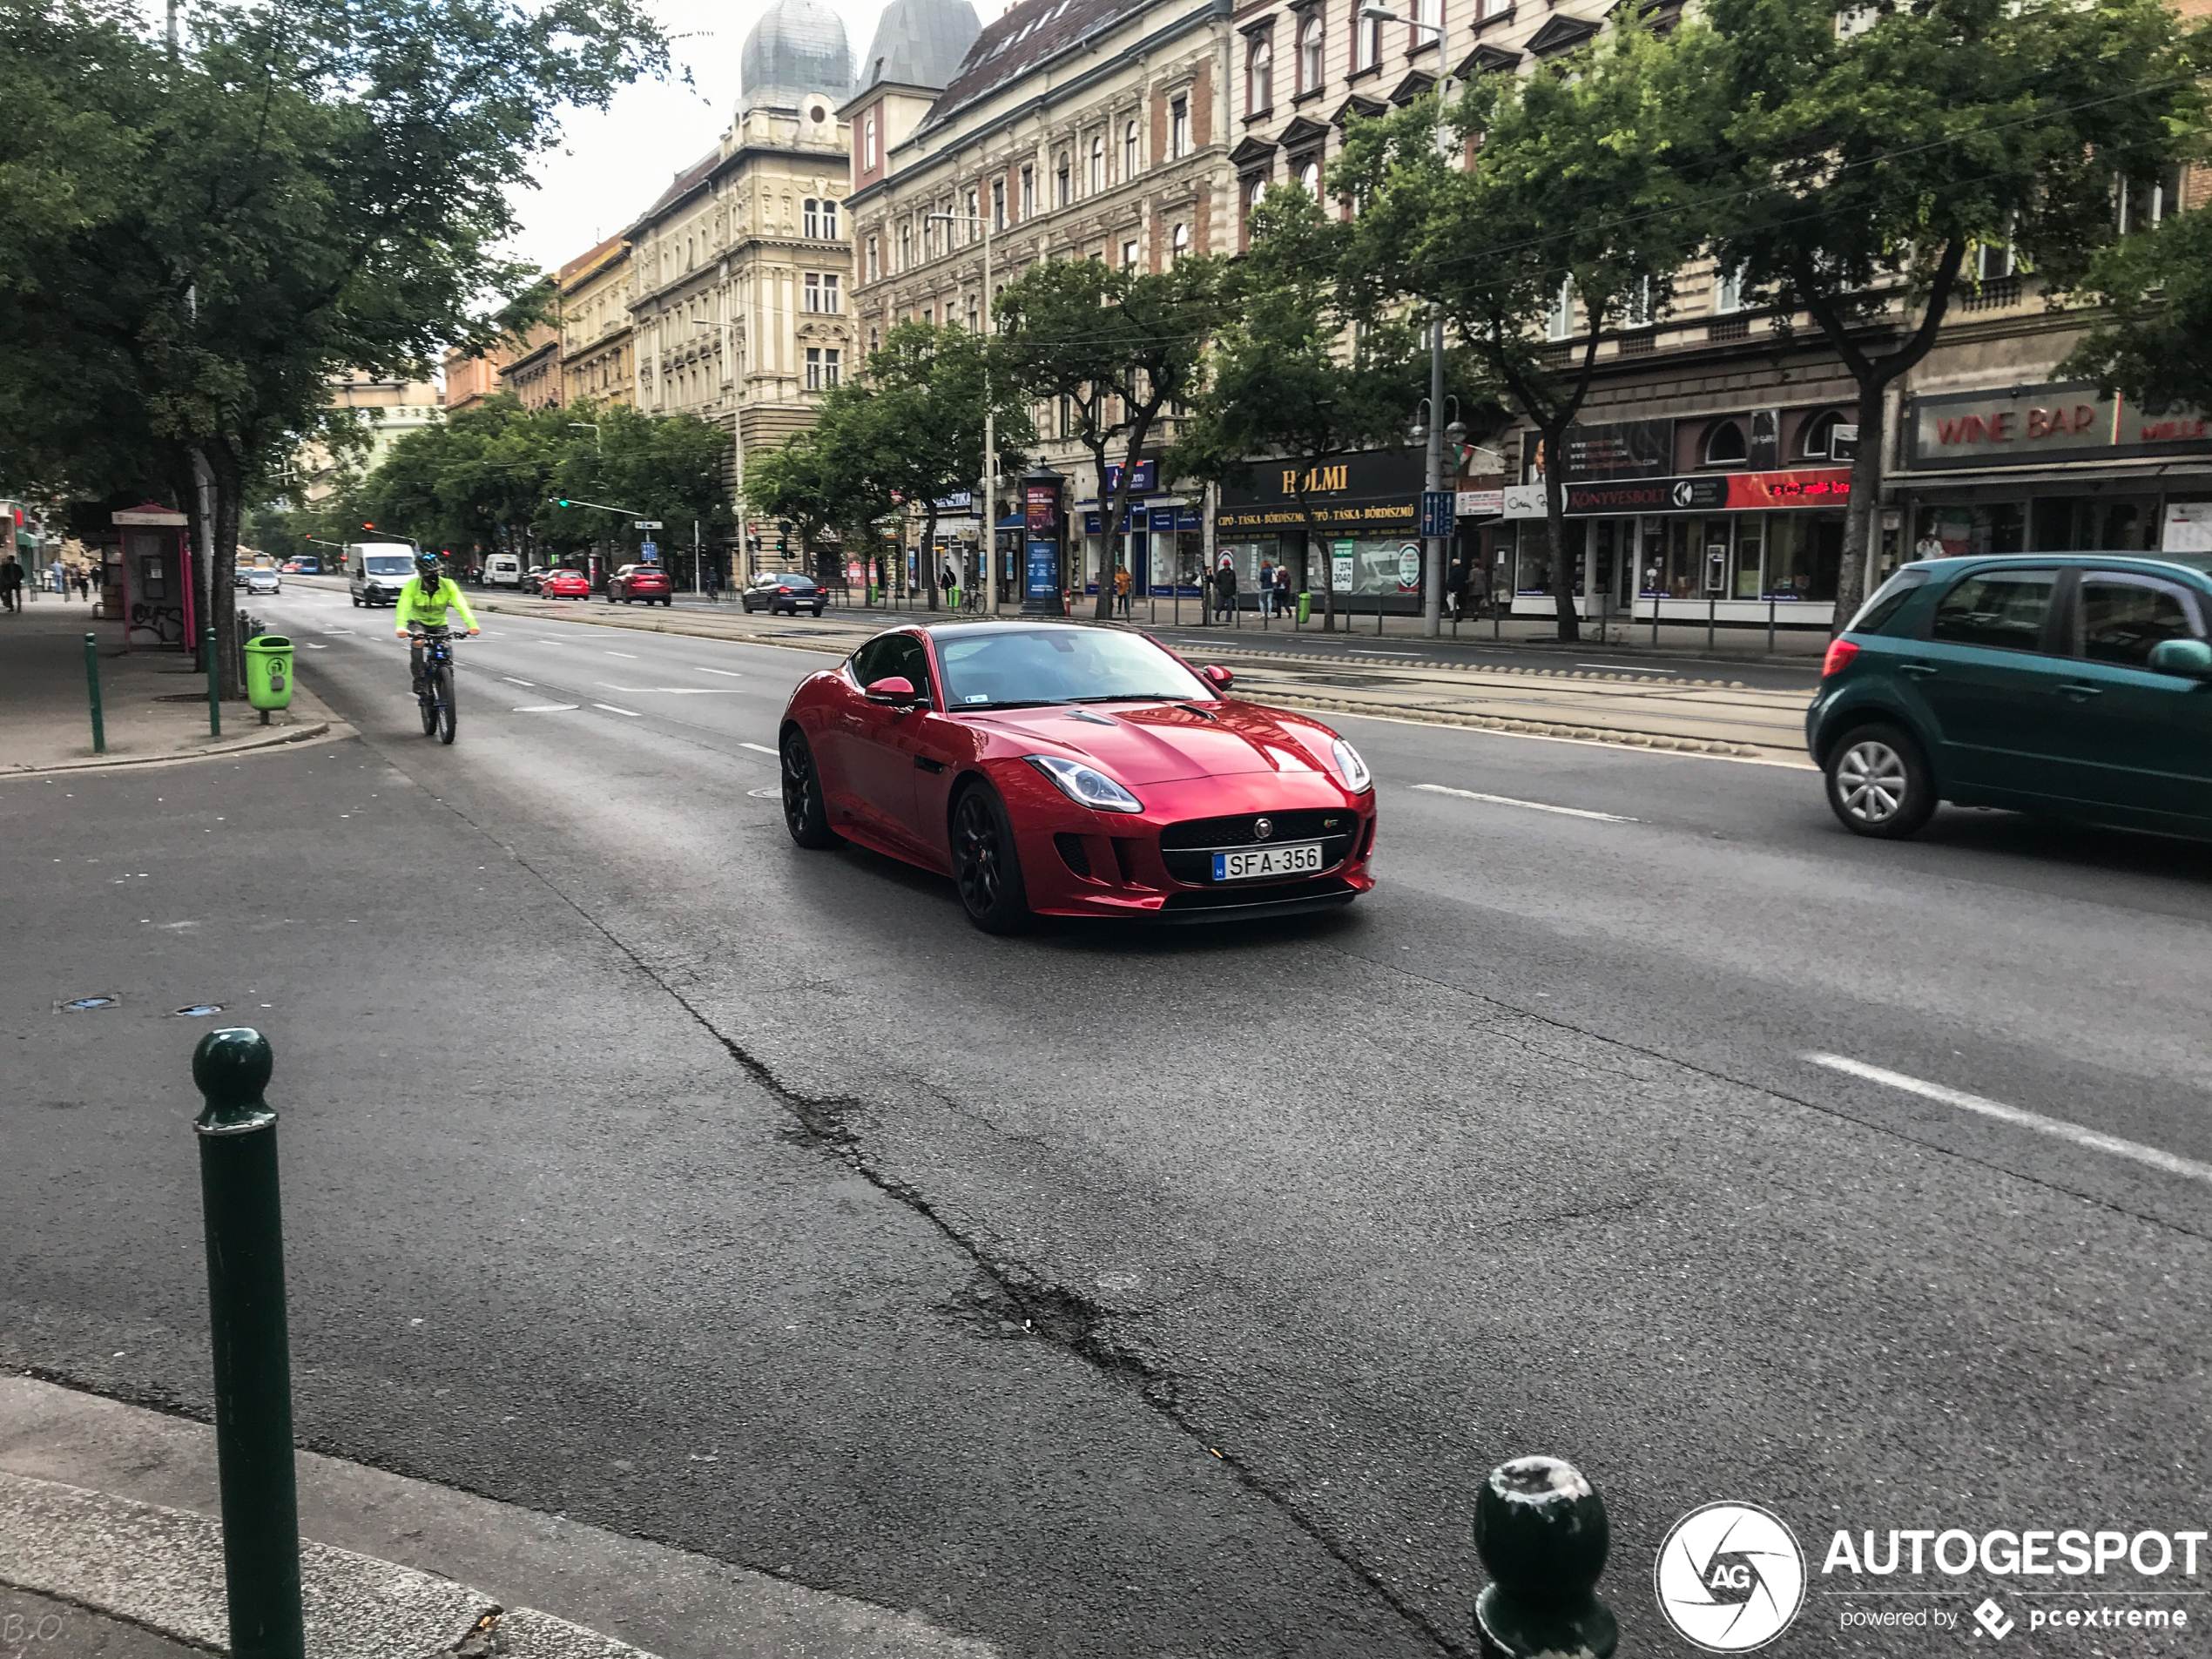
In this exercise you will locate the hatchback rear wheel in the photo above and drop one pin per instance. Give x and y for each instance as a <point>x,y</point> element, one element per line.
<point>1880,783</point>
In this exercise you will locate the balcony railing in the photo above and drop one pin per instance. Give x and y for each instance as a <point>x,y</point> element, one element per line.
<point>1737,326</point>
<point>1995,294</point>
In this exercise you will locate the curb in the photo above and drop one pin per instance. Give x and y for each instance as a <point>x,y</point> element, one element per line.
<point>273,738</point>
<point>162,1570</point>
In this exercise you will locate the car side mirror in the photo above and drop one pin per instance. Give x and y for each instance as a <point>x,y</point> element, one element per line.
<point>896,690</point>
<point>1220,677</point>
<point>2189,658</point>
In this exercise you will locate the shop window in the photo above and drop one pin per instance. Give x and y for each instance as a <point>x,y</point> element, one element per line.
<point>1829,435</point>
<point>2088,524</point>
<point>1725,444</point>
<point>1533,571</point>
<point>1998,610</point>
<point>1804,555</point>
<point>2123,618</point>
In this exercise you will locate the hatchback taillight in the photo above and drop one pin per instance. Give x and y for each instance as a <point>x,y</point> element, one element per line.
<point>1840,652</point>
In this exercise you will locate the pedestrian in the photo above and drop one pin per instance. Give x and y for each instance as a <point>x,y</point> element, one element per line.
<point>1455,582</point>
<point>714,582</point>
<point>84,584</point>
<point>1266,589</point>
<point>10,584</point>
<point>1283,590</point>
<point>1122,584</point>
<point>60,586</point>
<point>1224,587</point>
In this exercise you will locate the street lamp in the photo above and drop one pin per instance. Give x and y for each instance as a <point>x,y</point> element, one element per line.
<point>990,427</point>
<point>1432,556</point>
<point>592,427</point>
<point>726,331</point>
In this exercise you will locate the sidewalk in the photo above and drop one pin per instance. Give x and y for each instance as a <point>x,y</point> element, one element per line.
<point>154,703</point>
<point>107,1533</point>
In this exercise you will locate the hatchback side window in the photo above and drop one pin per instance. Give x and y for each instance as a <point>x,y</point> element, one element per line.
<point>2001,609</point>
<point>2123,617</point>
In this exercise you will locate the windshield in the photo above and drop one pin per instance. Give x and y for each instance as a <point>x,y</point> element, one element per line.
<point>1061,665</point>
<point>387,564</point>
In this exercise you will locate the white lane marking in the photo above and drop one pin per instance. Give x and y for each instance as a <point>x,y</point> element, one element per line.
<point>725,673</point>
<point>611,709</point>
<point>312,646</point>
<point>1532,806</point>
<point>759,748</point>
<point>2096,1140</point>
<point>629,657</point>
<point>512,680</point>
<point>549,708</point>
<point>672,690</point>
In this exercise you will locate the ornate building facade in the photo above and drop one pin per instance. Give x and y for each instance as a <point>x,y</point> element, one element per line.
<point>596,356</point>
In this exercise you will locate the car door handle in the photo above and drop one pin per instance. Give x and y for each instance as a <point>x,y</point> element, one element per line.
<point>1920,671</point>
<point>925,763</point>
<point>2080,692</point>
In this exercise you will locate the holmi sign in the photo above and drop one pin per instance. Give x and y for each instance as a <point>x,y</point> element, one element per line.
<point>2030,426</point>
<point>1319,481</point>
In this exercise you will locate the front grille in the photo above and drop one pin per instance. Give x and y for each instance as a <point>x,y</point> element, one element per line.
<point>1187,848</point>
<point>1073,852</point>
<point>1242,894</point>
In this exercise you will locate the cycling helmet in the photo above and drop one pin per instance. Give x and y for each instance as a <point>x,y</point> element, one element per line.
<point>427,567</point>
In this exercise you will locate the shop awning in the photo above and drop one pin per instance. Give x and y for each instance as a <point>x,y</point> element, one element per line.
<point>2197,474</point>
<point>25,538</point>
<point>1011,521</point>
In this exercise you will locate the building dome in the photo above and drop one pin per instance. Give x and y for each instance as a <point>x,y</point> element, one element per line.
<point>796,51</point>
<point>920,42</point>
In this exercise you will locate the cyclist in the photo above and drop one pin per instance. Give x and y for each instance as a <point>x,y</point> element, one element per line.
<point>424,600</point>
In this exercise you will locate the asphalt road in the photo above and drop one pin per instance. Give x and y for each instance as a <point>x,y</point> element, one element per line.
<point>1112,1293</point>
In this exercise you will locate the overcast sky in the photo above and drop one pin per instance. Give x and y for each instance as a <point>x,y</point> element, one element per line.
<point>608,167</point>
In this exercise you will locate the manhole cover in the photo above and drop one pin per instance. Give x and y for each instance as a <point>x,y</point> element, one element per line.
<point>766,794</point>
<point>197,1011</point>
<point>86,1004</point>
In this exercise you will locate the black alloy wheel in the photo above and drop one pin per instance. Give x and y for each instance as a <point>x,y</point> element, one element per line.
<point>806,815</point>
<point>1880,783</point>
<point>986,868</point>
<point>448,714</point>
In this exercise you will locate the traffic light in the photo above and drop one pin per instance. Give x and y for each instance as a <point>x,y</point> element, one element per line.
<point>558,502</point>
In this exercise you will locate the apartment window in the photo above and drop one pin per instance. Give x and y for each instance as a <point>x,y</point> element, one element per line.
<point>1636,305</point>
<point>2142,203</point>
<point>1129,151</point>
<point>1725,446</point>
<point>1829,435</point>
<point>1179,243</point>
<point>1309,176</point>
<point>814,368</point>
<point>868,142</point>
<point>829,219</point>
<point>1429,14</point>
<point>1560,323</point>
<point>974,224</point>
<point>875,341</point>
<point>1179,127</point>
<point>1366,42</point>
<point>1097,165</point>
<point>1029,192</point>
<point>810,218</point>
<point>1062,183</point>
<point>1993,261</point>
<point>831,301</point>
<point>998,203</point>
<point>1727,289</point>
<point>1259,81</point>
<point>972,309</point>
<point>1310,38</point>
<point>1129,256</point>
<point>875,267</point>
<point>928,316</point>
<point>813,288</point>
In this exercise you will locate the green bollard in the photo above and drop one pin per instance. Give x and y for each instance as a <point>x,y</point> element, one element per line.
<point>214,688</point>
<point>92,682</point>
<point>1541,1529</point>
<point>239,1197</point>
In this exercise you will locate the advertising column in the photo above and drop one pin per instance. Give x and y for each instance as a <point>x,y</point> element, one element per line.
<point>1041,520</point>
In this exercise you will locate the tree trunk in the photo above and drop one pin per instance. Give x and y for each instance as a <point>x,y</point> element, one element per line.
<point>1571,623</point>
<point>1108,530</point>
<point>223,595</point>
<point>1315,539</point>
<point>1862,516</point>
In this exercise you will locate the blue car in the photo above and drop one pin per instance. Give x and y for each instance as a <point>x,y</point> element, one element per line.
<point>2074,684</point>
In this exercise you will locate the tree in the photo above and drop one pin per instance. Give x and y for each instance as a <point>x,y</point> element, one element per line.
<point>815,482</point>
<point>1284,380</point>
<point>317,185</point>
<point>1869,155</point>
<point>1570,219</point>
<point>2154,343</point>
<point>1116,349</point>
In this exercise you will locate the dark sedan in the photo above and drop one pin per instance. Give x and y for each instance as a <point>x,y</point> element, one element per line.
<point>785,591</point>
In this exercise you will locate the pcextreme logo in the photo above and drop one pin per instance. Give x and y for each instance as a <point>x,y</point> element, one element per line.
<point>1730,1577</point>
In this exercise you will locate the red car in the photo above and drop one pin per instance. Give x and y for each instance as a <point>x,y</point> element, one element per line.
<point>636,582</point>
<point>564,585</point>
<point>1053,769</point>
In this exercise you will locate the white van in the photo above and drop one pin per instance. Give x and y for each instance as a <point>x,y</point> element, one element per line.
<point>375,571</point>
<point>503,570</point>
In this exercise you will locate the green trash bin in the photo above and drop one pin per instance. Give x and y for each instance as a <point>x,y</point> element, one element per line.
<point>269,672</point>
<point>1304,609</point>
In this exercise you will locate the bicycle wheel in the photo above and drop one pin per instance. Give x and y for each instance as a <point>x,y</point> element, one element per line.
<point>447,714</point>
<point>427,699</point>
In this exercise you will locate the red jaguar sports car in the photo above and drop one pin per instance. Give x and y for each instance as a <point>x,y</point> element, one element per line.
<point>1057,769</point>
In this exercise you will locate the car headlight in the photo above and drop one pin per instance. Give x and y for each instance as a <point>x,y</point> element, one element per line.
<point>1086,785</point>
<point>1356,778</point>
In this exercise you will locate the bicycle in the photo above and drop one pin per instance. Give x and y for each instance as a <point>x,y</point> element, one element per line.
<point>435,692</point>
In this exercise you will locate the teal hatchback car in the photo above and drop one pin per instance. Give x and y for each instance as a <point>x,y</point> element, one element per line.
<point>2076,684</point>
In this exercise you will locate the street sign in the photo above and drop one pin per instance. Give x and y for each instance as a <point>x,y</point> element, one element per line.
<point>649,524</point>
<point>1436,511</point>
<point>648,551</point>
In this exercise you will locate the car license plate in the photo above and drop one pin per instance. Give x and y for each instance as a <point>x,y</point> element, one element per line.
<point>1255,863</point>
